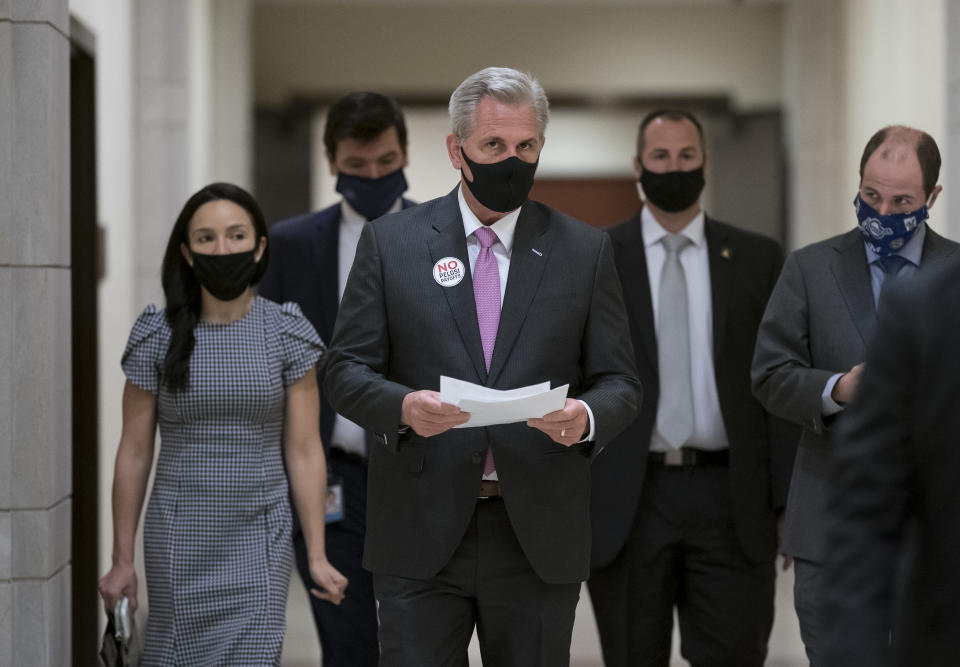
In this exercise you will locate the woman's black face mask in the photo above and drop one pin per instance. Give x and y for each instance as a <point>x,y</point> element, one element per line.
<point>225,276</point>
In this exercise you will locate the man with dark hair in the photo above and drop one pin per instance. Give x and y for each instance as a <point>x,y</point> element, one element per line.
<point>683,509</point>
<point>364,117</point>
<point>812,341</point>
<point>366,142</point>
<point>677,115</point>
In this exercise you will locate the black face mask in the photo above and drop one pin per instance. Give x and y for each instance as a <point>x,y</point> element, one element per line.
<point>372,197</point>
<point>673,191</point>
<point>500,186</point>
<point>225,276</point>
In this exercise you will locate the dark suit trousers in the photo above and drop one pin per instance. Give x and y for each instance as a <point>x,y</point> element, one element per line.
<point>348,632</point>
<point>683,552</point>
<point>809,600</point>
<point>521,621</point>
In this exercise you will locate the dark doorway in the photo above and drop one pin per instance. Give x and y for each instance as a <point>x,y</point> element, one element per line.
<point>599,201</point>
<point>85,262</point>
<point>282,151</point>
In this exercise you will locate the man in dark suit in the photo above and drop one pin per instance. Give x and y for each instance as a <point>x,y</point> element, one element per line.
<point>895,499</point>
<point>487,526</point>
<point>683,510</point>
<point>812,341</point>
<point>366,144</point>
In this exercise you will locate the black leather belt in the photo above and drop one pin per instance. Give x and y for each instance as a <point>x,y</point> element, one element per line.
<point>688,456</point>
<point>489,488</point>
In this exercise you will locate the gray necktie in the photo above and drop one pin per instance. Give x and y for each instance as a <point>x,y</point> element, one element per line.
<point>675,410</point>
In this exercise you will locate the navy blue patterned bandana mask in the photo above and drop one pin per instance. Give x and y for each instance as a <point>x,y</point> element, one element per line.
<point>887,234</point>
<point>372,197</point>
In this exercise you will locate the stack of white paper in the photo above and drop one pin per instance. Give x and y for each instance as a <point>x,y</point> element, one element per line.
<point>496,406</point>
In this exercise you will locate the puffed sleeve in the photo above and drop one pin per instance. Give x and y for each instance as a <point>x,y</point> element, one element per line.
<point>302,347</point>
<point>146,349</point>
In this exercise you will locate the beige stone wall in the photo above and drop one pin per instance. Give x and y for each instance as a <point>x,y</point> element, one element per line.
<point>850,68</point>
<point>951,144</point>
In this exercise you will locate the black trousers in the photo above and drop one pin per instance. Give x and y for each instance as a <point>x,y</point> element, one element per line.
<point>348,631</point>
<point>683,552</point>
<point>521,621</point>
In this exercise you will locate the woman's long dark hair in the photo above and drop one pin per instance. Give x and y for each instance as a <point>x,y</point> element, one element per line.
<point>180,285</point>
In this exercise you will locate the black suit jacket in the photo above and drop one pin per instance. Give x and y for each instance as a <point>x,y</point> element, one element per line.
<point>894,530</point>
<point>304,268</point>
<point>743,270</point>
<point>563,321</point>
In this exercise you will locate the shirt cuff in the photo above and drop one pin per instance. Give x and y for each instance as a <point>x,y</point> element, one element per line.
<point>591,434</point>
<point>828,406</point>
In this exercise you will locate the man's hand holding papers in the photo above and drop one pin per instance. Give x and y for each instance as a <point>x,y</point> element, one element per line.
<point>567,426</point>
<point>461,404</point>
<point>426,413</point>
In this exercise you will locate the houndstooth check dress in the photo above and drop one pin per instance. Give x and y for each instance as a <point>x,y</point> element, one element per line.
<point>217,527</point>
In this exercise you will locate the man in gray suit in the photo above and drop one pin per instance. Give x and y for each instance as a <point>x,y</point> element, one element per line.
<point>812,339</point>
<point>488,526</point>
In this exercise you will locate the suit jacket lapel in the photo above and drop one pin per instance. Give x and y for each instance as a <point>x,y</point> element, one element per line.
<point>853,279</point>
<point>934,249</point>
<point>326,249</point>
<point>531,251</point>
<point>721,257</point>
<point>636,281</point>
<point>451,242</point>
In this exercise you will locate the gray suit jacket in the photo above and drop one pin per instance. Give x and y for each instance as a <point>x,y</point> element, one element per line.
<point>818,322</point>
<point>563,320</point>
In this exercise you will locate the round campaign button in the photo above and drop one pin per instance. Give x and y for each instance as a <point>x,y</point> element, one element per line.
<point>448,272</point>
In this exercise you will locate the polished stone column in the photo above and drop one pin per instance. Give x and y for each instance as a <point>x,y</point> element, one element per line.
<point>161,127</point>
<point>813,94</point>
<point>35,391</point>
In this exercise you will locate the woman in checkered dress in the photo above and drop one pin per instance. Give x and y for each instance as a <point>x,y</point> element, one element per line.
<point>230,379</point>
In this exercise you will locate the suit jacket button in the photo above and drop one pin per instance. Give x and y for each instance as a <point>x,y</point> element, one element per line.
<point>477,457</point>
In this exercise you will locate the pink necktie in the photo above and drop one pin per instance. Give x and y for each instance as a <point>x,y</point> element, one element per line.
<point>486,294</point>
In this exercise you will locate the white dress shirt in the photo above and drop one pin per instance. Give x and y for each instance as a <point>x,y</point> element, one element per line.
<point>504,228</point>
<point>708,428</point>
<point>347,435</point>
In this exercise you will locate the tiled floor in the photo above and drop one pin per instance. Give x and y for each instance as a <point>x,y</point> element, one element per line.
<point>302,650</point>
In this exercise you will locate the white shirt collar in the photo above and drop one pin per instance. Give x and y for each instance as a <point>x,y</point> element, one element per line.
<point>504,227</point>
<point>653,232</point>
<point>349,216</point>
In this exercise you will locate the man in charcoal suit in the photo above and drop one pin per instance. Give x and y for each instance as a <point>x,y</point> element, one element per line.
<point>894,525</point>
<point>484,527</point>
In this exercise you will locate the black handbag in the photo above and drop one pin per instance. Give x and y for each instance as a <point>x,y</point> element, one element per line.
<point>120,646</point>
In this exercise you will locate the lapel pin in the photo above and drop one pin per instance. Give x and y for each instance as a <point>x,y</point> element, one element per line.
<point>537,252</point>
<point>448,272</point>
<point>726,253</point>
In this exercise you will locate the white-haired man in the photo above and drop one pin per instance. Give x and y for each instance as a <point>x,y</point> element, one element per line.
<point>489,526</point>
